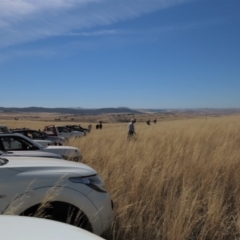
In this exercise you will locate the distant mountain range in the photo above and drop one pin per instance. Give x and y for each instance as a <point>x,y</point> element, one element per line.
<point>122,110</point>
<point>81,111</point>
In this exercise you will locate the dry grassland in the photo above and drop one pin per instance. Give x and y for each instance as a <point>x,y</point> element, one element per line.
<point>174,180</point>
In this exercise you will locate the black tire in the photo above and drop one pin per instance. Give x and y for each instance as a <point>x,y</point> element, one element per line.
<point>61,212</point>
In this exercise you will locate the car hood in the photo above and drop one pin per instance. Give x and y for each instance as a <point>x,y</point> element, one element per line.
<point>19,227</point>
<point>42,141</point>
<point>25,164</point>
<point>61,147</point>
<point>29,154</point>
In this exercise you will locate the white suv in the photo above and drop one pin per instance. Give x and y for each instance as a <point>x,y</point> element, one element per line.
<point>27,228</point>
<point>59,190</point>
<point>16,142</point>
<point>30,154</point>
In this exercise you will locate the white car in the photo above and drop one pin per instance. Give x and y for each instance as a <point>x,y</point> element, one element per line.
<point>26,228</point>
<point>62,131</point>
<point>15,142</point>
<point>66,132</point>
<point>30,154</point>
<point>58,190</point>
<point>43,142</point>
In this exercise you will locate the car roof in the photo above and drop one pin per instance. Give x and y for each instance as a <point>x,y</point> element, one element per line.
<point>23,130</point>
<point>12,135</point>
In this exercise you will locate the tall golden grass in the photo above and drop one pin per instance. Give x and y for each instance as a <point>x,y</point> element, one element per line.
<point>173,180</point>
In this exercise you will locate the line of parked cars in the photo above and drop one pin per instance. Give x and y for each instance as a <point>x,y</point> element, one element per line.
<point>38,181</point>
<point>29,142</point>
<point>40,136</point>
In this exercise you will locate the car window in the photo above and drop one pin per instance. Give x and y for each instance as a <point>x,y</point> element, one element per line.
<point>29,135</point>
<point>60,129</point>
<point>50,129</point>
<point>35,135</point>
<point>39,135</point>
<point>44,135</point>
<point>16,143</point>
<point>4,130</point>
<point>65,130</point>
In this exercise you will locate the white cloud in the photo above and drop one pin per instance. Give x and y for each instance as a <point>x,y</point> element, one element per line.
<point>99,33</point>
<point>28,20</point>
<point>15,8</point>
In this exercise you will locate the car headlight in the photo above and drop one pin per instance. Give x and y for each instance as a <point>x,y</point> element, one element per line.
<point>93,181</point>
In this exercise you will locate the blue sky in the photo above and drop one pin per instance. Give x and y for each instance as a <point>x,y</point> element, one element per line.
<point>131,53</point>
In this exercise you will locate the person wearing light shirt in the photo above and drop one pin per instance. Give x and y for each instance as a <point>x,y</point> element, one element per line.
<point>131,128</point>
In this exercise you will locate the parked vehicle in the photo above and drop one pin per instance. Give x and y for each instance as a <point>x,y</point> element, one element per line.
<point>30,154</point>
<point>43,142</point>
<point>53,130</point>
<point>15,142</point>
<point>79,128</point>
<point>70,128</point>
<point>39,228</point>
<point>59,190</point>
<point>38,136</point>
<point>58,140</point>
<point>4,129</point>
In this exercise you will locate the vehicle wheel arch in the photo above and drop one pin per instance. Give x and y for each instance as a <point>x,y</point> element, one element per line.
<point>34,197</point>
<point>59,211</point>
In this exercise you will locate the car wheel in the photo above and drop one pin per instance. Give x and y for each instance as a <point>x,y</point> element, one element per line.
<point>61,212</point>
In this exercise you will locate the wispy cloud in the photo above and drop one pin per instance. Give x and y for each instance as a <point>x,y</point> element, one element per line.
<point>23,21</point>
<point>99,33</point>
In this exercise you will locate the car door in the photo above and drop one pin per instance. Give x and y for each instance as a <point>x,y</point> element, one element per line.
<point>64,132</point>
<point>16,143</point>
<point>7,190</point>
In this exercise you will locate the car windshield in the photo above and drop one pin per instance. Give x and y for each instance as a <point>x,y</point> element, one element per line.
<point>35,135</point>
<point>3,161</point>
<point>17,143</point>
<point>44,134</point>
<point>63,129</point>
<point>38,145</point>
<point>33,142</point>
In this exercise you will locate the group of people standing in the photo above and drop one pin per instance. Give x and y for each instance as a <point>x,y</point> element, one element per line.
<point>131,127</point>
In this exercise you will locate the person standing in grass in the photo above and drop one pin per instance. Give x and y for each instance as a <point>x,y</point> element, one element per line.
<point>131,128</point>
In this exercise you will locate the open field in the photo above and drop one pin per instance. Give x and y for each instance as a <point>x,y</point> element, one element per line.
<point>113,117</point>
<point>174,180</point>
